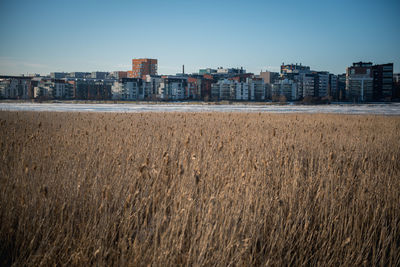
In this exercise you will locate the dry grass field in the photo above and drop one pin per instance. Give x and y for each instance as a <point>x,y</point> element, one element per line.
<point>199,189</point>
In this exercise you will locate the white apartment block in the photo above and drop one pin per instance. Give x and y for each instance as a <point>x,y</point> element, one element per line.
<point>152,87</point>
<point>252,89</point>
<point>172,88</point>
<point>57,89</point>
<point>127,90</point>
<point>14,88</point>
<point>241,90</point>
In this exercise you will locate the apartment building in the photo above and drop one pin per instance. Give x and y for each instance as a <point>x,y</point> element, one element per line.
<point>359,82</point>
<point>15,87</point>
<point>142,67</point>
<point>321,84</point>
<point>118,75</point>
<point>256,89</point>
<point>341,82</point>
<point>127,89</point>
<point>58,75</point>
<point>99,75</point>
<point>286,88</point>
<point>173,87</point>
<point>222,90</point>
<point>193,90</point>
<point>207,71</point>
<point>308,85</point>
<point>230,89</point>
<point>91,89</point>
<point>294,69</point>
<point>269,77</point>
<point>333,86</point>
<point>152,87</point>
<point>383,82</point>
<point>53,88</point>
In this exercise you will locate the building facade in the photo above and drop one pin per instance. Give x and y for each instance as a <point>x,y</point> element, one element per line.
<point>269,77</point>
<point>359,82</point>
<point>173,87</point>
<point>142,67</point>
<point>308,85</point>
<point>99,75</point>
<point>127,89</point>
<point>383,82</point>
<point>15,87</point>
<point>321,84</point>
<point>333,86</point>
<point>284,88</point>
<point>294,69</point>
<point>53,89</point>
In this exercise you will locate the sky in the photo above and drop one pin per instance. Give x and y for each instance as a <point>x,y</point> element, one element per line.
<point>43,36</point>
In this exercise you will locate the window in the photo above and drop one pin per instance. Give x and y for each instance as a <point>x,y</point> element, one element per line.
<point>387,74</point>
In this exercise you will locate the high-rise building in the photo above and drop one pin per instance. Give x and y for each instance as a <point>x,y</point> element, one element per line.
<point>383,81</point>
<point>367,82</point>
<point>321,84</point>
<point>308,85</point>
<point>396,85</point>
<point>359,81</point>
<point>142,67</point>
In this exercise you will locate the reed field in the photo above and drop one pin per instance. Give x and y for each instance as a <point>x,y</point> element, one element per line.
<point>199,189</point>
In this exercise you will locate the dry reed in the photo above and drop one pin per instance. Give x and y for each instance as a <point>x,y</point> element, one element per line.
<point>199,189</point>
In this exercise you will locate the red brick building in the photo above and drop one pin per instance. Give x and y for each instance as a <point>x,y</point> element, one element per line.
<point>142,67</point>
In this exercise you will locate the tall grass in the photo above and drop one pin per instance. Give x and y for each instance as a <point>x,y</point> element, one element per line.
<point>199,189</point>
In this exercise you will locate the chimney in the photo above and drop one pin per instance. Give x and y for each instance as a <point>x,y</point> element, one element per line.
<point>183,69</point>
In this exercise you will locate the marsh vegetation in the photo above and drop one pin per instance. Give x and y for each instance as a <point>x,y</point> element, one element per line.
<point>199,189</point>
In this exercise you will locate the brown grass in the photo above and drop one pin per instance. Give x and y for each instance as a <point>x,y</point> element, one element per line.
<point>199,189</point>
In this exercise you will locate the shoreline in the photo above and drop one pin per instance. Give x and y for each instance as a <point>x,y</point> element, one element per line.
<point>354,109</point>
<point>192,102</point>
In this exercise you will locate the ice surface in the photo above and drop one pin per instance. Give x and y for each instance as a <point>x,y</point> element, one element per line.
<point>378,109</point>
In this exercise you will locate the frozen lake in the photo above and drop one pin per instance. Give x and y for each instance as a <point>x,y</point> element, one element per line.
<point>378,109</point>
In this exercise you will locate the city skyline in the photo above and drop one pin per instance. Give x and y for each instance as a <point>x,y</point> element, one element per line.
<point>44,36</point>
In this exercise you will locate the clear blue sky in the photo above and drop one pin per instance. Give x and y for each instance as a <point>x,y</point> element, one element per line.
<point>42,36</point>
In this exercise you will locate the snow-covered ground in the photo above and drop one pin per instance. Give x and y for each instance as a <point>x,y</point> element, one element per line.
<point>379,109</point>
